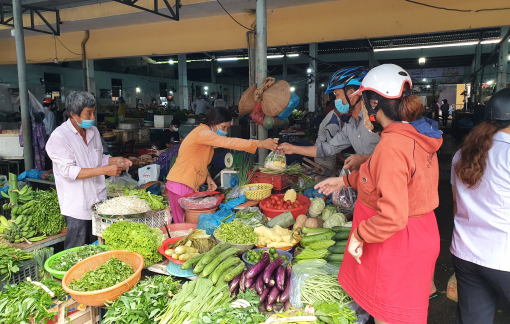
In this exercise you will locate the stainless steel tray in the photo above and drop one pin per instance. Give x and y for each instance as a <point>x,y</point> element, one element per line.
<point>125,216</point>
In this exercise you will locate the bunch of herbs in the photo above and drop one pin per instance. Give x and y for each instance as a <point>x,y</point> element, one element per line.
<point>334,313</point>
<point>10,260</point>
<point>106,275</point>
<point>67,260</point>
<point>46,212</point>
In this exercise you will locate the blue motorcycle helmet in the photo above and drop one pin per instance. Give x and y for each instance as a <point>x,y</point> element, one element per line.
<point>349,77</point>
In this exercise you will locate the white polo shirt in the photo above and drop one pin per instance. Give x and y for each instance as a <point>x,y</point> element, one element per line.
<point>482,222</point>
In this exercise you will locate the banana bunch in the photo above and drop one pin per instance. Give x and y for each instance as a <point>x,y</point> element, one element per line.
<point>24,196</point>
<point>18,229</point>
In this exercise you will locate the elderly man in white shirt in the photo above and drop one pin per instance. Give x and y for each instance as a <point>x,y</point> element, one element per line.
<point>80,166</point>
<point>481,238</point>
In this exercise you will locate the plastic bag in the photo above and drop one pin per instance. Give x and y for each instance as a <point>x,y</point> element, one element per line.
<point>276,161</point>
<point>210,222</point>
<point>275,122</point>
<point>118,184</point>
<point>363,315</point>
<point>293,103</point>
<point>200,202</point>
<point>148,173</point>
<point>301,272</point>
<point>257,115</point>
<point>236,192</point>
<point>345,197</point>
<point>451,290</point>
<point>257,218</point>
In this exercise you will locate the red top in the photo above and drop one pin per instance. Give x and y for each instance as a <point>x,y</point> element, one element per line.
<point>399,181</point>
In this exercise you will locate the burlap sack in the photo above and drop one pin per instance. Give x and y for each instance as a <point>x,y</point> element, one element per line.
<point>268,82</point>
<point>276,98</point>
<point>247,102</point>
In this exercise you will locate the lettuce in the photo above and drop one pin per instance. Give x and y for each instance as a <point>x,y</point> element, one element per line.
<point>316,207</point>
<point>337,219</point>
<point>328,211</point>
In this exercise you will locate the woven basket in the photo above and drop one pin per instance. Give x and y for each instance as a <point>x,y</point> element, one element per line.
<point>247,102</point>
<point>276,98</point>
<point>263,192</point>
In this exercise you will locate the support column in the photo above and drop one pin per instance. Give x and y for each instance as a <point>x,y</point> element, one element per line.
<point>372,60</point>
<point>213,73</point>
<point>285,66</point>
<point>312,100</point>
<point>183,82</point>
<point>252,56</point>
<point>23,84</point>
<point>477,85</point>
<point>91,81</point>
<point>502,62</point>
<point>261,68</point>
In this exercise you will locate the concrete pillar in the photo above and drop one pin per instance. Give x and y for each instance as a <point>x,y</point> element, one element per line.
<point>476,87</point>
<point>261,69</point>
<point>312,100</point>
<point>502,62</point>
<point>91,81</point>
<point>285,66</point>
<point>213,73</point>
<point>183,82</point>
<point>23,84</point>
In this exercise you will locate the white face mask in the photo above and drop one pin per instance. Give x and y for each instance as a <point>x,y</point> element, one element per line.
<point>175,129</point>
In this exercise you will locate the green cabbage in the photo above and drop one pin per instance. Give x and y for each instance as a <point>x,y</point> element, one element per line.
<point>328,211</point>
<point>316,207</point>
<point>337,219</point>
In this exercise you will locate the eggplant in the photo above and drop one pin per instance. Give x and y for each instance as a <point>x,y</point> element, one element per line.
<point>248,283</point>
<point>287,305</point>
<point>242,282</point>
<point>258,267</point>
<point>273,295</point>
<point>285,296</point>
<point>234,283</point>
<point>259,284</point>
<point>269,307</point>
<point>264,294</point>
<point>280,278</point>
<point>268,272</point>
<point>271,283</point>
<point>235,292</point>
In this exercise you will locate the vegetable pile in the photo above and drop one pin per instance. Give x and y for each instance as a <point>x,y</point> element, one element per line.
<point>11,260</point>
<point>155,201</point>
<point>143,302</point>
<point>255,256</point>
<point>67,260</point>
<point>123,205</point>
<point>135,237</point>
<point>197,239</point>
<point>106,275</point>
<point>40,256</point>
<point>276,237</point>
<point>323,243</point>
<point>251,217</point>
<point>236,232</point>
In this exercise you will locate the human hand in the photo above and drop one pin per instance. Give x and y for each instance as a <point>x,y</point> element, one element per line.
<point>355,248</point>
<point>354,161</point>
<point>211,185</point>
<point>329,185</point>
<point>120,161</point>
<point>113,170</point>
<point>287,148</point>
<point>169,145</point>
<point>270,144</point>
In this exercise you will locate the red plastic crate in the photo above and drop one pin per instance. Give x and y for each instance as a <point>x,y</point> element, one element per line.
<point>279,181</point>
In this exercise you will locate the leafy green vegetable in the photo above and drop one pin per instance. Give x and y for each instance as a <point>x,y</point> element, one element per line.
<point>40,256</point>
<point>337,219</point>
<point>236,232</point>
<point>142,303</point>
<point>135,237</point>
<point>317,205</point>
<point>339,313</point>
<point>10,260</point>
<point>70,258</point>
<point>106,275</point>
<point>155,201</point>
<point>56,288</point>
<point>46,212</point>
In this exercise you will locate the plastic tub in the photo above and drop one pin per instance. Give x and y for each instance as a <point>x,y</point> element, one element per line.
<point>175,270</point>
<point>272,213</point>
<point>191,215</point>
<point>60,274</point>
<point>178,227</point>
<point>278,251</point>
<point>100,297</point>
<point>164,247</point>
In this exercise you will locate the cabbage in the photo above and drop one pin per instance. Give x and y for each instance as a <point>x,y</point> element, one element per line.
<point>337,219</point>
<point>328,211</point>
<point>316,207</point>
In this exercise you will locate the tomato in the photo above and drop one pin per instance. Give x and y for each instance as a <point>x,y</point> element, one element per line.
<point>289,207</point>
<point>297,203</point>
<point>273,201</point>
<point>288,202</point>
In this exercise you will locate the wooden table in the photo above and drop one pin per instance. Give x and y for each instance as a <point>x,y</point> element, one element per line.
<point>50,240</point>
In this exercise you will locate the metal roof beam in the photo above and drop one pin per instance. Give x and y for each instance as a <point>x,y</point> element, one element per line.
<point>33,11</point>
<point>174,14</point>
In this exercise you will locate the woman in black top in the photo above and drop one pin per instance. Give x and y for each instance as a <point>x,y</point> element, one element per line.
<point>170,135</point>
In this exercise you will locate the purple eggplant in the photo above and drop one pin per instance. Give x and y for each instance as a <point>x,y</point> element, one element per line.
<point>248,283</point>
<point>259,284</point>
<point>268,272</point>
<point>273,295</point>
<point>285,296</point>
<point>258,267</point>
<point>242,282</point>
<point>264,294</point>
<point>235,292</point>
<point>234,283</point>
<point>271,283</point>
<point>280,278</point>
<point>287,305</point>
<point>269,307</point>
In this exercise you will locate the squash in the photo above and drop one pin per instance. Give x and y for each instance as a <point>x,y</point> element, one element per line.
<point>312,223</point>
<point>300,222</point>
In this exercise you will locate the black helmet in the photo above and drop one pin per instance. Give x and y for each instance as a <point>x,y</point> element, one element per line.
<point>498,107</point>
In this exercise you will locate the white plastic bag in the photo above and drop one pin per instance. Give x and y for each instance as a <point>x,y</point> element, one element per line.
<point>276,161</point>
<point>148,173</point>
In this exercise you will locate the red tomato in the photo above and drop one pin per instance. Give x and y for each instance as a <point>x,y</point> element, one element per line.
<point>289,207</point>
<point>289,202</point>
<point>273,201</point>
<point>297,203</point>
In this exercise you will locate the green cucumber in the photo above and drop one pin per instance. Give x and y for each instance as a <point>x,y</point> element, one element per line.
<point>311,230</point>
<point>220,269</point>
<point>338,248</point>
<point>335,258</point>
<point>209,256</point>
<point>341,229</point>
<point>214,263</point>
<point>341,236</point>
<point>234,273</point>
<point>307,240</point>
<point>191,262</point>
<point>221,280</point>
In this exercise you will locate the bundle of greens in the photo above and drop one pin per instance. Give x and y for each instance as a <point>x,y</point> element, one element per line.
<point>40,256</point>
<point>46,213</point>
<point>155,201</point>
<point>229,315</point>
<point>106,275</point>
<point>195,297</point>
<point>142,303</point>
<point>334,313</point>
<point>135,237</point>
<point>67,260</point>
<point>56,288</point>
<point>236,232</point>
<point>11,260</point>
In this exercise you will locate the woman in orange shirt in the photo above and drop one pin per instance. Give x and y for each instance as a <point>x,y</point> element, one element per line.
<point>394,240</point>
<point>196,152</point>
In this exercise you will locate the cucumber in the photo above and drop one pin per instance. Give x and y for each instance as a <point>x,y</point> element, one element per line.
<point>337,249</point>
<point>234,273</point>
<point>336,264</point>
<point>341,229</point>
<point>311,230</point>
<point>341,236</point>
<point>209,256</point>
<point>220,269</point>
<point>335,258</point>
<point>212,265</point>
<point>321,245</point>
<point>191,262</point>
<point>221,280</point>
<point>307,240</point>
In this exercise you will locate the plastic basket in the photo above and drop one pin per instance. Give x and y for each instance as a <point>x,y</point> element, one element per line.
<point>154,219</point>
<point>279,181</point>
<point>176,271</point>
<point>100,297</point>
<point>177,230</point>
<point>28,269</point>
<point>164,246</point>
<point>263,192</point>
<point>59,274</point>
<point>303,210</point>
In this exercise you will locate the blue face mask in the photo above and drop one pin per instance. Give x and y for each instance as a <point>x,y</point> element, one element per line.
<point>343,109</point>
<point>221,132</point>
<point>85,123</point>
